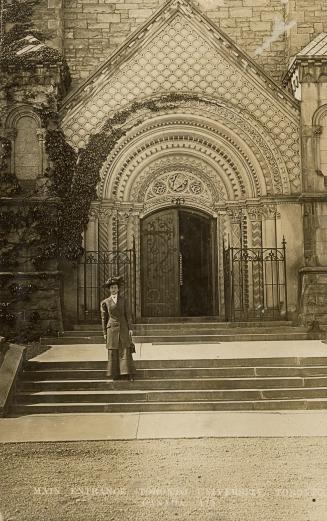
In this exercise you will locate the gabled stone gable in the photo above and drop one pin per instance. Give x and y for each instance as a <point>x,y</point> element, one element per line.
<point>179,50</point>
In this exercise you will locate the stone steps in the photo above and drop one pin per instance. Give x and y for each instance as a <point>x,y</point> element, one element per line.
<point>108,396</point>
<point>180,384</point>
<point>190,332</point>
<point>181,373</point>
<point>199,324</point>
<point>123,407</point>
<point>290,361</point>
<point>174,385</point>
<point>179,338</point>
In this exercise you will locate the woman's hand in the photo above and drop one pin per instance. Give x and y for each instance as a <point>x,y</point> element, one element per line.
<point>130,332</point>
<point>105,337</point>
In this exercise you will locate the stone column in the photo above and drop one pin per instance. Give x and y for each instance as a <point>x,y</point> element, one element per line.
<point>313,275</point>
<point>123,222</point>
<point>256,284</point>
<point>104,228</point>
<point>114,229</point>
<point>270,270</point>
<point>222,243</point>
<point>269,226</point>
<point>91,233</point>
<point>310,226</point>
<point>7,163</point>
<point>235,214</point>
<point>255,216</point>
<point>42,183</point>
<point>11,133</point>
<point>135,225</point>
<point>239,296</point>
<point>312,181</point>
<point>124,257</point>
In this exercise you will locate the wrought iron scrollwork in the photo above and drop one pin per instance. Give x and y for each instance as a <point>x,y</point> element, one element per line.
<point>255,283</point>
<point>94,268</point>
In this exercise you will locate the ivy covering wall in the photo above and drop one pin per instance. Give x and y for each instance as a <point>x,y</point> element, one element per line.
<point>30,216</point>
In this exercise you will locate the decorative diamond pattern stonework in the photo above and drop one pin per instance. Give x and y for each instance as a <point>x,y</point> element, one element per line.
<point>177,59</point>
<point>178,55</point>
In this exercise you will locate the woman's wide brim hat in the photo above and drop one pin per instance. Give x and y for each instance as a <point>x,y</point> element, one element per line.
<point>113,280</point>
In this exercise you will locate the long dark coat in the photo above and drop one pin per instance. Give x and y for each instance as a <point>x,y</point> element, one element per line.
<point>116,322</point>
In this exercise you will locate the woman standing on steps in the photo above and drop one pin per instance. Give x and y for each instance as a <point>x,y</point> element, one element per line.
<point>117,331</point>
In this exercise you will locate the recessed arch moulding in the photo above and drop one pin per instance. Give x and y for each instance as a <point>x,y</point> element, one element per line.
<point>209,156</point>
<point>212,159</point>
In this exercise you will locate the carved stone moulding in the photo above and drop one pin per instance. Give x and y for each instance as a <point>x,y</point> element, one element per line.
<point>312,71</point>
<point>255,213</point>
<point>179,176</point>
<point>181,201</point>
<point>252,159</point>
<point>118,175</point>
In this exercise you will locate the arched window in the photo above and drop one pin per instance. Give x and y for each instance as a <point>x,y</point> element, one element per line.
<point>323,144</point>
<point>320,132</point>
<point>24,125</point>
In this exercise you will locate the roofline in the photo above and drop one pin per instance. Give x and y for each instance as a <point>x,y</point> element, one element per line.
<point>213,27</point>
<point>297,60</point>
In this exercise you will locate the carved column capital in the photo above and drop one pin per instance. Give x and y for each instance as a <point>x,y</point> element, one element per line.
<point>254,213</point>
<point>93,213</point>
<point>124,214</point>
<point>41,132</point>
<point>269,211</point>
<point>105,213</point>
<point>311,131</point>
<point>317,130</point>
<point>236,214</point>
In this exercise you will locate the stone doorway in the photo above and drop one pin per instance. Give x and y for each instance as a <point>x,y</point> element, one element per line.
<point>178,264</point>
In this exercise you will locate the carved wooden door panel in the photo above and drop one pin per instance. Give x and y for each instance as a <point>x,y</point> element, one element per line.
<point>160,264</point>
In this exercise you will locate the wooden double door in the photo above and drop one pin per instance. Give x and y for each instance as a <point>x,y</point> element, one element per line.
<point>177,264</point>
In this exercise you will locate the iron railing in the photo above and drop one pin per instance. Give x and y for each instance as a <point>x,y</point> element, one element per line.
<point>94,268</point>
<point>255,283</point>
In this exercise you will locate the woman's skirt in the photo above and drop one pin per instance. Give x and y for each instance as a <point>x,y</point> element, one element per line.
<point>120,362</point>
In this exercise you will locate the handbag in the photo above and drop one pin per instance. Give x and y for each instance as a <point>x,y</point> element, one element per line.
<point>131,345</point>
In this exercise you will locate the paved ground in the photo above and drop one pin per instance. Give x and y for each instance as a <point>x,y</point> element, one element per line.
<point>140,426</point>
<point>205,479</point>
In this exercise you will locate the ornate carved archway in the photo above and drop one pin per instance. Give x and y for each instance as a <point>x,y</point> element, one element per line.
<point>199,155</point>
<point>221,133</point>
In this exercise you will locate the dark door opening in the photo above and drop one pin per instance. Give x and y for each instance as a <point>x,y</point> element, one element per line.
<point>177,264</point>
<point>195,264</point>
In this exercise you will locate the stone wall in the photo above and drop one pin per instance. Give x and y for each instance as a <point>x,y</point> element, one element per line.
<point>313,295</point>
<point>94,28</point>
<point>311,19</point>
<point>48,17</point>
<point>89,30</point>
<point>33,312</point>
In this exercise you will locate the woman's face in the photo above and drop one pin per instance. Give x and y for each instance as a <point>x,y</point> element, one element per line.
<point>114,289</point>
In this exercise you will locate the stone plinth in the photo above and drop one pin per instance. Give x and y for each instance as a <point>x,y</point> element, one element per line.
<point>30,304</point>
<point>313,294</point>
